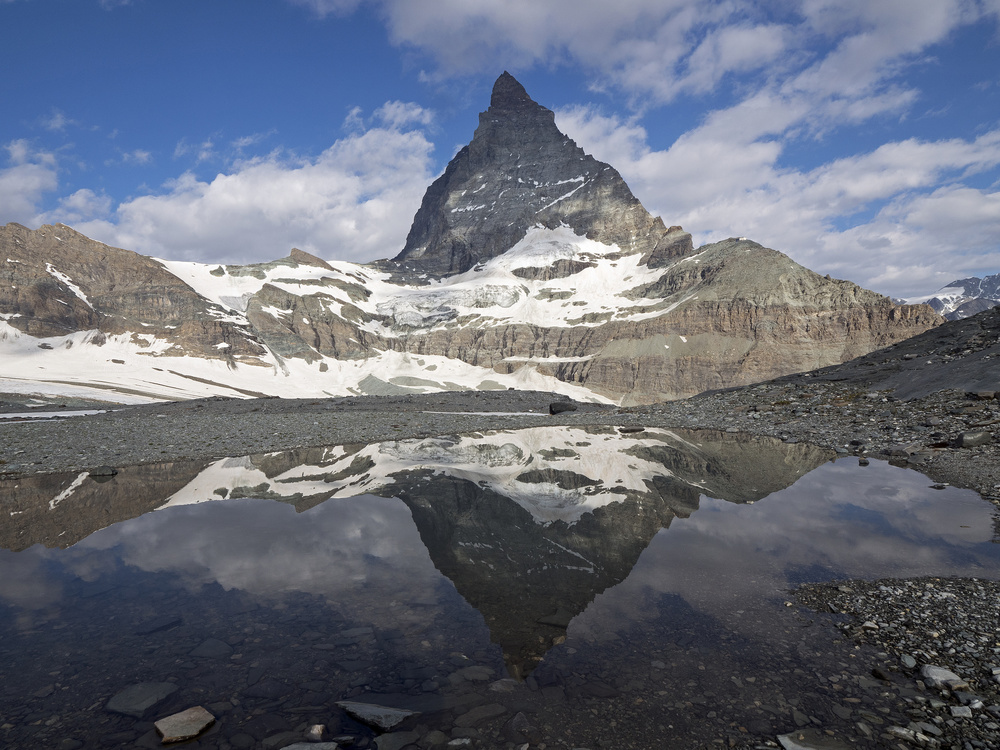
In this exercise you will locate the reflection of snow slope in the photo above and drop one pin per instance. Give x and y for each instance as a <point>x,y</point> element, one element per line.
<point>529,466</point>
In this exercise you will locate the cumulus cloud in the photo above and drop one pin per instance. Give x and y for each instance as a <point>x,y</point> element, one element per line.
<point>355,201</point>
<point>82,206</point>
<point>29,174</point>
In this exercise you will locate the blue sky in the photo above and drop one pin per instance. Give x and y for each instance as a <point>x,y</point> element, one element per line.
<point>860,137</point>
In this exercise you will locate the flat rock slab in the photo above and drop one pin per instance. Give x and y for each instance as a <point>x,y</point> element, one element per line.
<point>184,725</point>
<point>136,700</point>
<point>380,717</point>
<point>212,648</point>
<point>480,714</point>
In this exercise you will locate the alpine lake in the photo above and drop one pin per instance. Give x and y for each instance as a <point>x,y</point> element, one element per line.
<point>547,588</point>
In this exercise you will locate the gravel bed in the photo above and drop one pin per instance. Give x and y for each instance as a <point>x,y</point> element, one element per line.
<point>940,644</point>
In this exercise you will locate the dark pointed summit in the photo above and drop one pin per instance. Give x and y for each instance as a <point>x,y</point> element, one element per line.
<point>509,94</point>
<point>520,171</point>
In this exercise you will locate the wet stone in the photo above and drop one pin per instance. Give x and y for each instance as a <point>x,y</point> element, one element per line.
<point>185,724</point>
<point>136,700</point>
<point>811,739</point>
<point>480,714</point>
<point>939,677</point>
<point>379,717</point>
<point>267,688</point>
<point>973,439</point>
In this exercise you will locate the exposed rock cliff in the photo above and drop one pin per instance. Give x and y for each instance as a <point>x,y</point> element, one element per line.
<point>520,171</point>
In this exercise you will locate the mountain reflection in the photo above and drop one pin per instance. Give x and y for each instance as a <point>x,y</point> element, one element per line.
<point>529,525</point>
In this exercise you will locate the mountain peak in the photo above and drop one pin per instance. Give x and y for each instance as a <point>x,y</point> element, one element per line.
<point>521,171</point>
<point>508,93</point>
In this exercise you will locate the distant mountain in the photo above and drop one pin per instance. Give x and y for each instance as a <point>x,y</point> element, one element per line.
<point>529,265</point>
<point>963,297</point>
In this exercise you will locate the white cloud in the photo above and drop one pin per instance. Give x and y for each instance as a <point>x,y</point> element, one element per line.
<point>138,156</point>
<point>204,151</point>
<point>354,201</point>
<point>323,8</point>
<point>399,115</point>
<point>56,122</point>
<point>81,206</point>
<point>29,175</point>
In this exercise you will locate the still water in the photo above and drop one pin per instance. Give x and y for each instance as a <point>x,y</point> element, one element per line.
<point>552,586</point>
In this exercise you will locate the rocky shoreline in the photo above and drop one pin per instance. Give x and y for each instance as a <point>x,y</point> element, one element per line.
<point>938,646</point>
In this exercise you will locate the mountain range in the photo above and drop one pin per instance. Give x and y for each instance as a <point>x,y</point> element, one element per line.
<point>529,264</point>
<point>963,297</point>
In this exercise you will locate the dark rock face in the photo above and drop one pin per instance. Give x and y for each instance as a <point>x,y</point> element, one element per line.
<point>519,171</point>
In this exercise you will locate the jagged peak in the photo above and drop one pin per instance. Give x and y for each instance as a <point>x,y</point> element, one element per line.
<point>508,93</point>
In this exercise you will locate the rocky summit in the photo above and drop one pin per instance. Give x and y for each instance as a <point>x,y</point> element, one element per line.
<point>520,172</point>
<point>529,265</point>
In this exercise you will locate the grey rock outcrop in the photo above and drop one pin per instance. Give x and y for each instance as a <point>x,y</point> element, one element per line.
<point>520,171</point>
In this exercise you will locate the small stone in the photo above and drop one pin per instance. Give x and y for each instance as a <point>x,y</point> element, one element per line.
<point>184,725</point>
<point>973,438</point>
<point>315,732</point>
<point>938,677</point>
<point>961,712</point>
<point>908,661</point>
